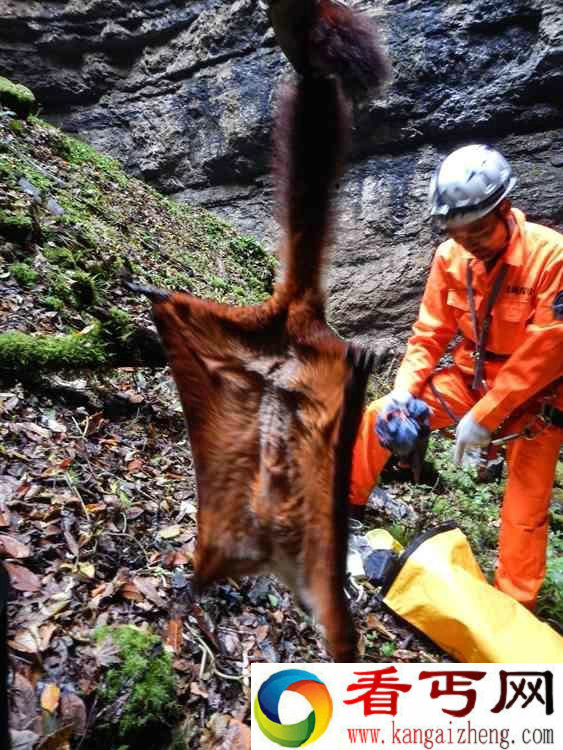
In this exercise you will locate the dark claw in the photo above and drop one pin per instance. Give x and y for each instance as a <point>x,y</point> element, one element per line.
<point>152,292</point>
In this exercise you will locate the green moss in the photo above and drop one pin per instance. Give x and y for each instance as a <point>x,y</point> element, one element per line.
<point>60,286</point>
<point>84,289</point>
<point>259,265</point>
<point>60,256</point>
<point>24,274</point>
<point>143,682</point>
<point>75,287</point>
<point>15,227</point>
<point>53,303</point>
<point>17,127</point>
<point>550,599</point>
<point>119,326</point>
<point>17,97</point>
<point>20,351</point>
<point>78,152</point>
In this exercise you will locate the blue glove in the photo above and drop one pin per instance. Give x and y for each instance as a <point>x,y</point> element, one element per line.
<point>402,423</point>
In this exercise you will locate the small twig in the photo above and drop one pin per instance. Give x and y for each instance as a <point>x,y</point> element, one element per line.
<point>358,588</point>
<point>208,653</point>
<point>84,432</point>
<point>129,536</point>
<point>73,489</point>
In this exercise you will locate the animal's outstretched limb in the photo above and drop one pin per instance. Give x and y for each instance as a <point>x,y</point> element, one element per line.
<point>272,397</point>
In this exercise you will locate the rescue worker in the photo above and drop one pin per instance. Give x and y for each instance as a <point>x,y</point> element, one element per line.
<point>497,281</point>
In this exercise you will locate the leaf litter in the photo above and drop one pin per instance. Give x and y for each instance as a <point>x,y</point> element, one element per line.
<point>98,527</point>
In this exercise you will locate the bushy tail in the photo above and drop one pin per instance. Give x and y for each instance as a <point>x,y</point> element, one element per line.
<point>311,132</point>
<point>337,54</point>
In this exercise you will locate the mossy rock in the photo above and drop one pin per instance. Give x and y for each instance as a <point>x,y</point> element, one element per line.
<point>15,227</point>
<point>17,97</point>
<point>23,351</point>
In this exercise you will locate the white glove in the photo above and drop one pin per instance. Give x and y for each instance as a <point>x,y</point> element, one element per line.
<point>469,433</point>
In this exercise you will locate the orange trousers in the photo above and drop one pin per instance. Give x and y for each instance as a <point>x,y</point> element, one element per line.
<point>531,473</point>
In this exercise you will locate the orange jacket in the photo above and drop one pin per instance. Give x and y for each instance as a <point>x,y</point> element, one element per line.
<point>526,325</point>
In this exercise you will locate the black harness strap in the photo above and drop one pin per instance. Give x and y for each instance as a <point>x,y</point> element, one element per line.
<point>481,338</point>
<point>442,401</point>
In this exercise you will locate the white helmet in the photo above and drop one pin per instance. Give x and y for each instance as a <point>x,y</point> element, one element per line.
<point>468,184</point>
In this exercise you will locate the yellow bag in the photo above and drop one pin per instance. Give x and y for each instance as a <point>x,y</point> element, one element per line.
<point>439,588</point>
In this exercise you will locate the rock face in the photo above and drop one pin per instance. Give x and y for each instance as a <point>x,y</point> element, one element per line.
<point>183,93</point>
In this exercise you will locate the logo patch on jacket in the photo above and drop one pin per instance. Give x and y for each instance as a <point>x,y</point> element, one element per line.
<point>558,306</point>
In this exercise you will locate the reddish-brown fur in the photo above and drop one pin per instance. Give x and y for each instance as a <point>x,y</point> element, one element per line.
<point>272,397</point>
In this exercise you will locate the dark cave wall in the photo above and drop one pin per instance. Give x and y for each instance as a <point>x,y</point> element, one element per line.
<point>183,94</point>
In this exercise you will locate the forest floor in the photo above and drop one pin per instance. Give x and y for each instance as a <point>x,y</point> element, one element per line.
<point>97,496</point>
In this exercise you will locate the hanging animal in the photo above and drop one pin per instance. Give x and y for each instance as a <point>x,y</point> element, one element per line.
<point>272,397</point>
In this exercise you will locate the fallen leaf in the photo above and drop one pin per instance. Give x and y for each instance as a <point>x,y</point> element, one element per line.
<point>196,690</point>
<point>10,547</point>
<point>106,653</point>
<point>238,736</point>
<point>46,632</point>
<point>148,589</point>
<point>230,643</point>
<point>205,624</point>
<point>262,632</point>
<point>57,603</point>
<point>182,557</point>
<point>130,591</point>
<point>173,640</point>
<point>73,711</point>
<point>8,487</point>
<point>134,512</point>
<point>55,426</point>
<point>21,578</point>
<point>72,543</point>
<point>183,665</point>
<point>403,654</point>
<point>87,570</point>
<point>95,423</point>
<point>33,640</point>
<point>228,734</point>
<point>58,740</point>
<point>23,703</point>
<point>95,507</point>
<point>23,740</point>
<point>33,431</point>
<point>170,532</point>
<point>132,397</point>
<point>50,698</point>
<point>52,471</point>
<point>135,465</point>
<point>374,623</point>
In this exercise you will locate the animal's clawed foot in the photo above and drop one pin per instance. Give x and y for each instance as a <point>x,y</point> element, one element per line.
<point>152,292</point>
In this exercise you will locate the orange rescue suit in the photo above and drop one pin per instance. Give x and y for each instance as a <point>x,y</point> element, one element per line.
<point>524,356</point>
